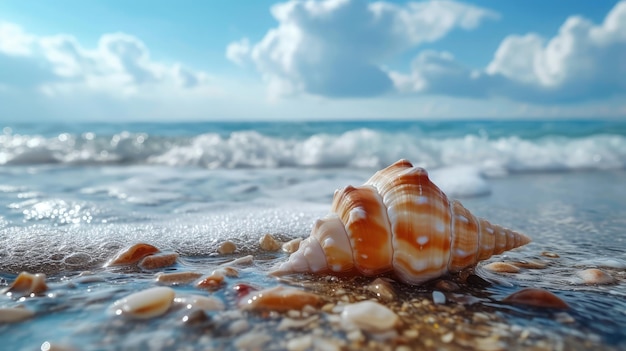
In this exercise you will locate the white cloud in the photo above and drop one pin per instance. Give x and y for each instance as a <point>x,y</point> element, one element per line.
<point>336,48</point>
<point>119,66</point>
<point>582,62</point>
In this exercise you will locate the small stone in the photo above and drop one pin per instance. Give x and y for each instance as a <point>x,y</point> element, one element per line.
<point>132,254</point>
<point>300,344</point>
<point>177,277</point>
<point>292,246</point>
<point>252,341</point>
<point>145,304</point>
<point>26,284</point>
<point>279,298</point>
<point>269,243</point>
<point>382,289</point>
<point>550,254</point>
<point>537,298</point>
<point>241,261</point>
<point>158,261</point>
<point>501,267</point>
<point>214,281</point>
<point>447,338</point>
<point>529,264</point>
<point>15,314</point>
<point>206,303</point>
<point>238,326</point>
<point>594,276</point>
<point>439,298</point>
<point>227,247</point>
<point>195,317</point>
<point>228,271</point>
<point>369,316</point>
<point>447,285</point>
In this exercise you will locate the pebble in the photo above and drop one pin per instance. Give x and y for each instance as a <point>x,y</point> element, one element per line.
<point>269,243</point>
<point>279,298</point>
<point>241,261</point>
<point>439,298</point>
<point>447,337</point>
<point>595,276</point>
<point>14,314</point>
<point>213,281</point>
<point>447,285</point>
<point>26,284</point>
<point>382,289</point>
<point>132,254</point>
<point>536,297</point>
<point>550,254</point>
<point>227,247</point>
<point>369,316</point>
<point>300,344</point>
<point>292,246</point>
<point>501,267</point>
<point>158,261</point>
<point>530,264</point>
<point>228,271</point>
<point>206,303</point>
<point>177,277</point>
<point>252,341</point>
<point>145,304</point>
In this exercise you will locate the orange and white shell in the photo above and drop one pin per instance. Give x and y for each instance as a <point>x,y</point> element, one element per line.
<point>400,222</point>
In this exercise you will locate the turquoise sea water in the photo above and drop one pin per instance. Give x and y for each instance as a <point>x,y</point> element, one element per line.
<point>71,195</point>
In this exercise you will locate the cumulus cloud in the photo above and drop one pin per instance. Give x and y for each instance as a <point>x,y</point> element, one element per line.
<point>582,61</point>
<point>119,66</point>
<point>337,48</point>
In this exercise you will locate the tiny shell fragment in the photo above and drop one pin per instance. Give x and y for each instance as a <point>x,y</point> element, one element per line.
<point>369,316</point>
<point>13,315</point>
<point>279,298</point>
<point>206,303</point>
<point>292,246</point>
<point>132,255</point>
<point>595,276</point>
<point>227,247</point>
<point>158,261</point>
<point>26,284</point>
<point>145,304</point>
<point>268,243</point>
<point>550,254</point>
<point>177,277</point>
<point>537,298</point>
<point>501,267</point>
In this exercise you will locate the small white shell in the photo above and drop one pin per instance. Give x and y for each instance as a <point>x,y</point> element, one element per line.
<point>369,316</point>
<point>145,304</point>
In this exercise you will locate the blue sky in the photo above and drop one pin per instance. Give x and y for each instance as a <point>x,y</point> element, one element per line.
<point>72,60</point>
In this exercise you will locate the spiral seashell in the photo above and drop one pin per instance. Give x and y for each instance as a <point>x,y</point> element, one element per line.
<point>400,222</point>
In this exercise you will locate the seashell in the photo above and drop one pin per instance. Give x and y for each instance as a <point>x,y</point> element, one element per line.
<point>177,278</point>
<point>158,261</point>
<point>132,254</point>
<point>594,276</point>
<point>269,243</point>
<point>400,222</point>
<point>501,267</point>
<point>227,247</point>
<point>145,304</point>
<point>369,316</point>
<point>26,284</point>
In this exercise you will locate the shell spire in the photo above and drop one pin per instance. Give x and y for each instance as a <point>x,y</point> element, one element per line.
<point>400,222</point>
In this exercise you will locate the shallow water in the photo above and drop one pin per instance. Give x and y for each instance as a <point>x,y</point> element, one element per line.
<point>64,220</point>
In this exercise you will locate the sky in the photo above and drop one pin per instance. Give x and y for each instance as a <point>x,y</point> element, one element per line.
<point>147,60</point>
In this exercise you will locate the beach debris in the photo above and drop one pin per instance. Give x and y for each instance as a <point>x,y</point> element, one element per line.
<point>206,303</point>
<point>132,254</point>
<point>145,304</point>
<point>211,282</point>
<point>501,267</point>
<point>177,278</point>
<point>26,284</point>
<point>15,314</point>
<point>269,243</point>
<point>400,222</point>
<point>158,261</point>
<point>369,316</point>
<point>292,246</point>
<point>594,276</point>
<point>279,298</point>
<point>537,298</point>
<point>550,254</point>
<point>382,289</point>
<point>227,247</point>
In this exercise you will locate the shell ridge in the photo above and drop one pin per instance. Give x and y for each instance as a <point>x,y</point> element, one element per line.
<point>452,233</point>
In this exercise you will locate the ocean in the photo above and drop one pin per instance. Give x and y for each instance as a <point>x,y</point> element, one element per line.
<point>72,195</point>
